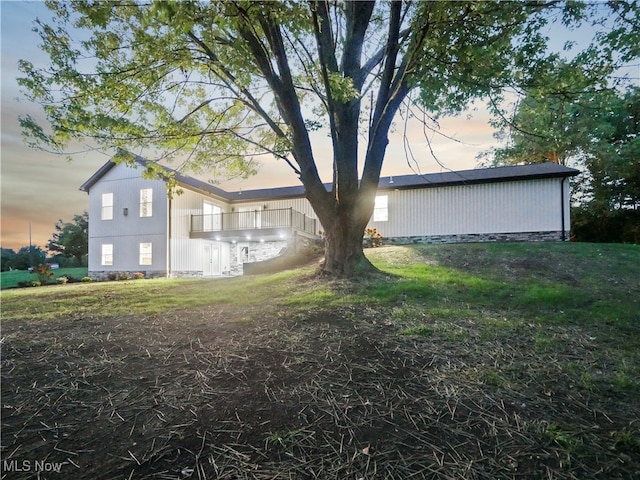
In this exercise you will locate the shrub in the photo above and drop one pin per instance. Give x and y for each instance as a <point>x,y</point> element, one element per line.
<point>87,279</point>
<point>62,280</point>
<point>112,276</point>
<point>372,238</point>
<point>138,276</point>
<point>124,276</point>
<point>44,273</point>
<point>36,283</point>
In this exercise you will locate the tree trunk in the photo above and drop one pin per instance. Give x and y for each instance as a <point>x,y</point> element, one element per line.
<point>344,253</point>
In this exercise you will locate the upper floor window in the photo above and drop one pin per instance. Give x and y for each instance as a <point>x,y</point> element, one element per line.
<point>107,254</point>
<point>381,209</point>
<point>107,206</point>
<point>146,202</point>
<point>146,254</point>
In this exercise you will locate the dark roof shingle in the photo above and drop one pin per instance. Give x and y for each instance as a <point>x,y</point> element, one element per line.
<point>429,180</point>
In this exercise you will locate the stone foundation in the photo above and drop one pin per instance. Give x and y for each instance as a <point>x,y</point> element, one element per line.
<point>258,251</point>
<point>550,236</point>
<point>111,275</point>
<point>186,274</point>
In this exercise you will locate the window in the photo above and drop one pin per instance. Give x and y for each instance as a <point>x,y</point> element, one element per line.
<point>243,253</point>
<point>107,206</point>
<point>212,218</point>
<point>145,254</point>
<point>146,202</point>
<point>380,209</point>
<point>107,254</point>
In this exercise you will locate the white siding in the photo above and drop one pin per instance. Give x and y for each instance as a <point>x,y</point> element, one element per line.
<point>508,207</point>
<point>187,253</point>
<point>126,231</point>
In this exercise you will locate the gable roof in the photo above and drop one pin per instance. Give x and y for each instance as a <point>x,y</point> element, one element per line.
<point>430,180</point>
<point>183,180</point>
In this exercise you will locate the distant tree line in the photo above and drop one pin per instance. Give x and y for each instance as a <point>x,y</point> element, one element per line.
<point>68,247</point>
<point>595,129</point>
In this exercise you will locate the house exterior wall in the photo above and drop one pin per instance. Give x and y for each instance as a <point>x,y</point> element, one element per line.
<point>187,253</point>
<point>520,210</point>
<point>126,231</point>
<point>477,211</point>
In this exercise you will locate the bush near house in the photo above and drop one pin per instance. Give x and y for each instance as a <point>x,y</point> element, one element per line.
<point>372,238</point>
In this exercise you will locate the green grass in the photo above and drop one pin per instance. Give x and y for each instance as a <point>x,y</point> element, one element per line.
<point>552,328</point>
<point>141,297</point>
<point>12,279</point>
<point>546,282</point>
<point>500,287</point>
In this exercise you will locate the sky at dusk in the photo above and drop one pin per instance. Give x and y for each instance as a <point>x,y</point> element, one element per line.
<point>39,188</point>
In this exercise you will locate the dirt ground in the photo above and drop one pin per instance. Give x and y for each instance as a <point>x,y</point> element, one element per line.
<point>222,393</point>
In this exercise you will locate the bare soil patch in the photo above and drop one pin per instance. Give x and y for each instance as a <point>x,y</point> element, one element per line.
<point>226,393</point>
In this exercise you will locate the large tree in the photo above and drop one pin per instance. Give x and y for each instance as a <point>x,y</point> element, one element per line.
<point>71,239</point>
<point>217,84</point>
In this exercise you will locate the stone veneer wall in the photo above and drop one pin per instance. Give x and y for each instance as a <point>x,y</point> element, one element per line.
<point>103,275</point>
<point>550,236</point>
<point>258,251</point>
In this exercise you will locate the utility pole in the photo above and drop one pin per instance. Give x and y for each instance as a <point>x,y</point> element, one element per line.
<point>30,247</point>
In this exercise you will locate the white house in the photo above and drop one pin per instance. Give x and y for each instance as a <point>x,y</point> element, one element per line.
<point>205,231</point>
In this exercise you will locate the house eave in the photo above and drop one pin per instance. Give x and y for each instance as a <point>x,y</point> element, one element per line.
<point>102,171</point>
<point>387,183</point>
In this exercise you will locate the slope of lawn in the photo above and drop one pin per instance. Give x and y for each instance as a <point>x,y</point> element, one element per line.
<point>13,278</point>
<point>483,361</point>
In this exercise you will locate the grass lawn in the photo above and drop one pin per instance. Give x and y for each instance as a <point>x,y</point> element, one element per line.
<point>12,279</point>
<point>483,361</point>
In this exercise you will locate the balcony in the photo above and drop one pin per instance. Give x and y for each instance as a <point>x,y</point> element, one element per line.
<point>253,225</point>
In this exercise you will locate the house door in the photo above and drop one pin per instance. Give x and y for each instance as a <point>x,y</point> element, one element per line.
<point>211,260</point>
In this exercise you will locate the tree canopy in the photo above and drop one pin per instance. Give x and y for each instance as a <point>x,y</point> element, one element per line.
<point>71,239</point>
<point>28,256</point>
<point>596,131</point>
<point>218,85</point>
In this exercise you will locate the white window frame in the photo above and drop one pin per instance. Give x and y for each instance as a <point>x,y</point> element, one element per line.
<point>146,202</point>
<point>242,257</point>
<point>107,206</point>
<point>381,209</point>
<point>211,217</point>
<point>106,254</point>
<point>146,253</point>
